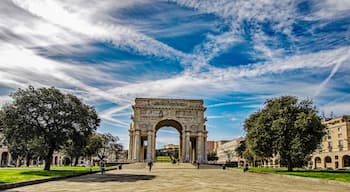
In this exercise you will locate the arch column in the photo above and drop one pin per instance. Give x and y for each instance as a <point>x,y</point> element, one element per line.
<point>137,145</point>
<point>154,136</point>
<point>131,145</point>
<point>199,147</point>
<point>183,148</point>
<point>205,149</point>
<point>149,146</point>
<point>187,145</point>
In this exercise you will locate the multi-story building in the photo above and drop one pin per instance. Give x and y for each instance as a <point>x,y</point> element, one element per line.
<point>212,146</point>
<point>170,147</point>
<point>226,151</point>
<point>334,151</point>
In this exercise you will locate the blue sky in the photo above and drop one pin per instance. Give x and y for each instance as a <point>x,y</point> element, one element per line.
<point>234,54</point>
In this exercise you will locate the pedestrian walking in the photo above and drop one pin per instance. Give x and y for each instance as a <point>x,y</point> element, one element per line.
<point>150,164</point>
<point>223,166</point>
<point>102,167</point>
<point>245,169</point>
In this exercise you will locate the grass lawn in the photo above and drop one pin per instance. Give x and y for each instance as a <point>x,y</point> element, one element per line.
<point>163,159</point>
<point>321,174</point>
<point>10,175</point>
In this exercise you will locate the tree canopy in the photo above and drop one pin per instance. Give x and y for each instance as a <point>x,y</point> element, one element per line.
<point>109,145</point>
<point>47,117</point>
<point>285,127</point>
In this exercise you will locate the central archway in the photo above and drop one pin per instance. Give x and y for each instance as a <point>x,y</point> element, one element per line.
<point>186,116</point>
<point>174,152</point>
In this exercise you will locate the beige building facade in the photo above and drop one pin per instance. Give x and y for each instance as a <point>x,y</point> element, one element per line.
<point>186,116</point>
<point>334,151</point>
<point>226,150</point>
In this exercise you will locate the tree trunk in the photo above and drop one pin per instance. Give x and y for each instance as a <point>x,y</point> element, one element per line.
<point>18,162</point>
<point>28,160</point>
<point>48,159</point>
<point>76,161</point>
<point>290,164</point>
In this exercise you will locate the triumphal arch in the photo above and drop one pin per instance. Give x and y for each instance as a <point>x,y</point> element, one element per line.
<point>187,116</point>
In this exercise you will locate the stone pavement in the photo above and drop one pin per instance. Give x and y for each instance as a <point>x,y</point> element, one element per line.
<point>184,178</point>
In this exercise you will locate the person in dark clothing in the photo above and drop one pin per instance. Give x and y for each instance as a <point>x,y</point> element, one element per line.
<point>150,164</point>
<point>102,167</point>
<point>245,169</point>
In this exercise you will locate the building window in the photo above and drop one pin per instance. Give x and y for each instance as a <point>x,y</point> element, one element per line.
<point>340,129</point>
<point>329,144</point>
<point>340,142</point>
<point>340,135</point>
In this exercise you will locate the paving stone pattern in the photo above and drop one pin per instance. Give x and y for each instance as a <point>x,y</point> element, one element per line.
<point>184,178</point>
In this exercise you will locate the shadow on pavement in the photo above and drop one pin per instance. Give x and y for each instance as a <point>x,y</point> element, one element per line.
<point>112,177</point>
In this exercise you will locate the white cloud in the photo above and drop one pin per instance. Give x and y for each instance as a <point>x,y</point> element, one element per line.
<point>237,14</point>
<point>338,108</point>
<point>224,104</point>
<point>339,61</point>
<point>329,9</point>
<point>60,14</point>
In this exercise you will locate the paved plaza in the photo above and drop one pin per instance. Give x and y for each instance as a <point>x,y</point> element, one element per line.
<point>185,177</point>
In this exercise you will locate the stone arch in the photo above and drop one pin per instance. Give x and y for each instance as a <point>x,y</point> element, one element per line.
<point>174,124</point>
<point>56,160</point>
<point>4,159</point>
<point>168,122</point>
<point>67,161</point>
<point>241,163</point>
<point>187,116</point>
<point>327,162</point>
<point>317,162</point>
<point>346,161</point>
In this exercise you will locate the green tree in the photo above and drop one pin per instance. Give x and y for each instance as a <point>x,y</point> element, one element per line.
<point>102,145</point>
<point>47,116</point>
<point>109,146</point>
<point>75,147</point>
<point>284,127</point>
<point>94,143</point>
<point>240,149</point>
